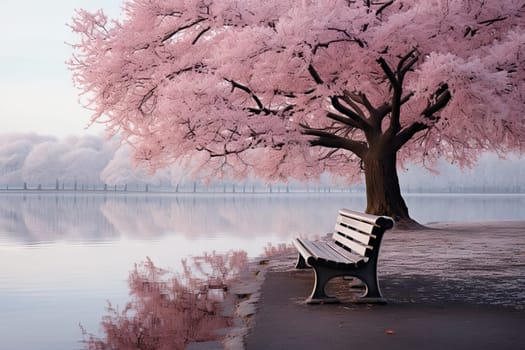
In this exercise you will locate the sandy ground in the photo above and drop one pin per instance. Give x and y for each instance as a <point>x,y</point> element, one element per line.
<point>454,285</point>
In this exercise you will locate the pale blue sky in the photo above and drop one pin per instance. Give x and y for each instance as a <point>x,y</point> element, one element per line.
<point>37,93</point>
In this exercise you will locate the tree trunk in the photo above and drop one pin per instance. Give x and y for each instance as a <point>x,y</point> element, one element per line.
<point>383,194</point>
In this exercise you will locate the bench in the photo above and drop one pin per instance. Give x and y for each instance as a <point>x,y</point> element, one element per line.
<point>352,251</point>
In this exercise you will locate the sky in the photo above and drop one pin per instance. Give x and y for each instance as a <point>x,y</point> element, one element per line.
<point>36,88</point>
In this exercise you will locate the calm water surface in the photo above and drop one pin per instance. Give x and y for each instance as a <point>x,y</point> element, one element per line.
<point>62,256</point>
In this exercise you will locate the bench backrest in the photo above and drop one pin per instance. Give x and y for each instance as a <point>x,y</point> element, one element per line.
<point>360,233</point>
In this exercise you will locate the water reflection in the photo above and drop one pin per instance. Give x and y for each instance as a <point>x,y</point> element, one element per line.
<point>36,218</point>
<point>169,312</point>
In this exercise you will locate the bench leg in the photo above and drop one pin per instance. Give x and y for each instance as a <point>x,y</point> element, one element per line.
<point>372,290</point>
<point>301,263</point>
<point>373,293</point>
<point>322,276</point>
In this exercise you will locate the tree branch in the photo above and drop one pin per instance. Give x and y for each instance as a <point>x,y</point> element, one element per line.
<point>359,121</point>
<point>407,133</point>
<point>406,63</point>
<point>396,80</point>
<point>180,29</point>
<point>388,72</point>
<point>199,35</point>
<point>352,99</point>
<point>328,43</point>
<point>383,7</point>
<point>145,99</point>
<point>342,119</point>
<point>439,100</point>
<point>329,140</point>
<point>349,38</point>
<point>395,109</point>
<point>386,108</point>
<point>315,75</point>
<point>248,91</point>
<point>493,20</point>
<point>183,70</point>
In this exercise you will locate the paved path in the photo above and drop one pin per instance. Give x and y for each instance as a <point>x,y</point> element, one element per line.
<point>463,288</point>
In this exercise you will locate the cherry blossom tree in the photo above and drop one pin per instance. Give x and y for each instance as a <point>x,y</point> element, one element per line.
<point>284,88</point>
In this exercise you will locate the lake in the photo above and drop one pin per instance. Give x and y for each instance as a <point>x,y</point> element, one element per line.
<point>63,255</point>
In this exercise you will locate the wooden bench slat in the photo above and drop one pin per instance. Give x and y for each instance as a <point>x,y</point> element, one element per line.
<point>384,222</point>
<point>330,254</point>
<point>353,245</point>
<point>324,250</point>
<point>318,253</point>
<point>327,255</point>
<point>355,235</point>
<point>299,246</point>
<point>355,258</point>
<point>323,253</point>
<point>361,226</point>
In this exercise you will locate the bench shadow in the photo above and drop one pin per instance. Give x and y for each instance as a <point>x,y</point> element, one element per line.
<point>438,290</point>
<point>432,291</point>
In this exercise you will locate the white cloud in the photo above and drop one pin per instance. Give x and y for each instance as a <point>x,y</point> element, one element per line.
<point>87,159</point>
<point>70,160</point>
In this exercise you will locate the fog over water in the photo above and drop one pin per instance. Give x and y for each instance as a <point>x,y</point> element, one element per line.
<point>93,160</point>
<point>40,218</point>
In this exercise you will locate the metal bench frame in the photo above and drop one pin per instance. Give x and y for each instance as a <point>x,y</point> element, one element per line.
<point>352,251</point>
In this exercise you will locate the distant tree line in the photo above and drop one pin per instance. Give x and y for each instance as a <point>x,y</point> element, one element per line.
<point>228,187</point>
<point>192,187</point>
